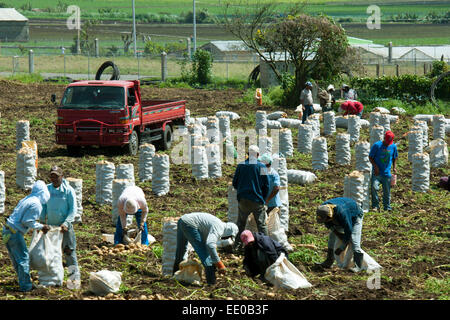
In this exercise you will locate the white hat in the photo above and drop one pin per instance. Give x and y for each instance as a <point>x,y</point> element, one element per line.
<point>131,206</point>
<point>330,87</point>
<point>253,150</point>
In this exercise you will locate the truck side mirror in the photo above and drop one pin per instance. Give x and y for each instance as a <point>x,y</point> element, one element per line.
<point>53,98</point>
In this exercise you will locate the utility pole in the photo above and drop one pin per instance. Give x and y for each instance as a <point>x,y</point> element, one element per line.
<point>195,27</point>
<point>134,29</point>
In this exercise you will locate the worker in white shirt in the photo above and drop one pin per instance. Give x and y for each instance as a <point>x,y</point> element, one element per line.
<point>132,202</point>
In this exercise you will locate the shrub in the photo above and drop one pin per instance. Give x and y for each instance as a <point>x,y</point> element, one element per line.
<point>202,66</point>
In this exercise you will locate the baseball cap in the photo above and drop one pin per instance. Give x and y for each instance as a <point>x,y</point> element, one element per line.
<point>330,87</point>
<point>253,149</point>
<point>308,83</point>
<point>131,206</point>
<point>389,137</point>
<point>56,170</point>
<point>266,158</point>
<point>247,237</point>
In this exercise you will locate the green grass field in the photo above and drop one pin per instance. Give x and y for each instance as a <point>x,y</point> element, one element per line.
<point>122,8</point>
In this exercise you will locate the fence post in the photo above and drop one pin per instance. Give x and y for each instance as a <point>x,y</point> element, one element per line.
<point>163,66</point>
<point>138,54</point>
<point>31,61</point>
<point>188,41</point>
<point>97,49</point>
<point>378,70</point>
<point>15,61</point>
<point>397,70</point>
<point>64,55</point>
<point>424,68</point>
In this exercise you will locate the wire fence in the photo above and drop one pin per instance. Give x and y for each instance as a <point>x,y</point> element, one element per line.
<point>64,63</point>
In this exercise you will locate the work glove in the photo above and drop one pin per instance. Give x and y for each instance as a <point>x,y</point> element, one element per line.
<point>64,228</point>
<point>220,267</point>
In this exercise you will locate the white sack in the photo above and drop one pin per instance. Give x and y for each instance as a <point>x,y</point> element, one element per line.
<point>345,259</point>
<point>374,119</point>
<point>314,120</point>
<point>146,153</point>
<point>46,256</point>
<point>343,155</point>
<point>261,121</point>
<point>125,171</point>
<point>161,170</point>
<point>265,144</point>
<point>232,115</point>
<point>354,128</point>
<point>354,187</point>
<point>224,127</point>
<point>424,127</point>
<point>26,168</point>
<point>438,153</point>
<point>381,110</point>
<point>385,122</point>
<point>420,172</point>
<point>329,123</point>
<point>276,115</point>
<point>439,124</point>
<point>398,111</point>
<point>283,274</point>
<point>214,161</point>
<point>319,154</point>
<point>362,162</point>
<point>190,272</point>
<point>414,142</point>
<point>77,185</point>
<point>104,176</point>
<point>290,123</point>
<point>22,132</point>
<point>200,164</point>
<point>212,130</point>
<point>300,177</point>
<point>286,144</point>
<point>274,124</point>
<point>376,134</point>
<point>103,282</point>
<point>304,138</point>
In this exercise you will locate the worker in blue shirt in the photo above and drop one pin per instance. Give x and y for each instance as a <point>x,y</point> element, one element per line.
<point>344,217</point>
<point>252,185</point>
<point>273,199</point>
<point>383,156</point>
<point>60,211</point>
<point>24,217</point>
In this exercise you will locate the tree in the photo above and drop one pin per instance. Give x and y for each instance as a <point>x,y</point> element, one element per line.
<point>314,45</point>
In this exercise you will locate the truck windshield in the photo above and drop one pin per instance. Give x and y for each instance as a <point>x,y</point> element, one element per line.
<point>93,97</point>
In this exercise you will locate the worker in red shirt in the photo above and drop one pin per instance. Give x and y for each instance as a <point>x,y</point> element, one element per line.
<point>352,107</point>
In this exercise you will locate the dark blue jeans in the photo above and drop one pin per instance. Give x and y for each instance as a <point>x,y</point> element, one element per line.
<point>118,235</point>
<point>309,110</point>
<point>185,234</point>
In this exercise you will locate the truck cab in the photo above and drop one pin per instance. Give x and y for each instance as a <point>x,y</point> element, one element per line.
<point>112,113</point>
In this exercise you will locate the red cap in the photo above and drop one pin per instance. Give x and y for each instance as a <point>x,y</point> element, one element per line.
<point>389,137</point>
<point>344,105</point>
<point>247,237</point>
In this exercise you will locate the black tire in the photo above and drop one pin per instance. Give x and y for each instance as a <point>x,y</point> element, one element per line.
<point>133,144</point>
<point>107,64</point>
<point>74,151</point>
<point>167,138</point>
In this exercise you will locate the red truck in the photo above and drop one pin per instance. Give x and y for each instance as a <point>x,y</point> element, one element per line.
<point>112,113</point>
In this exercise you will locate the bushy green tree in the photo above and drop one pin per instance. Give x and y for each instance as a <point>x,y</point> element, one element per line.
<point>202,66</point>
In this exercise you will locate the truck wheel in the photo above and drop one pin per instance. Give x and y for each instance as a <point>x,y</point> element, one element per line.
<point>167,138</point>
<point>133,144</point>
<point>73,151</point>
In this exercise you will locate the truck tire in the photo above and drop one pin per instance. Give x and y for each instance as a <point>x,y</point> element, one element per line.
<point>74,151</point>
<point>133,144</point>
<point>167,138</point>
<point>107,64</point>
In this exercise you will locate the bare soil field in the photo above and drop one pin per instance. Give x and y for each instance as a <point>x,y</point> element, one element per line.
<point>411,243</point>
